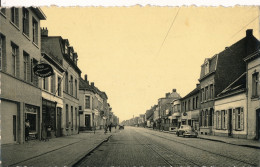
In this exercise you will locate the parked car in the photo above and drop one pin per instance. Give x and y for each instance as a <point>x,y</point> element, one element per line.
<point>121,126</point>
<point>186,130</point>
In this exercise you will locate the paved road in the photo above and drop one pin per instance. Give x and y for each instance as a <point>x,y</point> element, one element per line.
<point>144,147</point>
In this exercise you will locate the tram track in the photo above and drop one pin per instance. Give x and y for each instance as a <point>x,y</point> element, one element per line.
<point>201,149</point>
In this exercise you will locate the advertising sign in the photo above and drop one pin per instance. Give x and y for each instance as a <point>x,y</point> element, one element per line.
<point>43,70</point>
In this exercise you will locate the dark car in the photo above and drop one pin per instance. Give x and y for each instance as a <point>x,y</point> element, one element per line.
<point>121,126</point>
<point>186,130</point>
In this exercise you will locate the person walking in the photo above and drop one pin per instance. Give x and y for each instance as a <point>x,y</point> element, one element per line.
<point>27,129</point>
<point>110,126</point>
<point>105,129</point>
<point>44,132</point>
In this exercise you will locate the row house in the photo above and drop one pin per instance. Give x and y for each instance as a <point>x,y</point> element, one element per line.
<point>20,51</point>
<point>190,107</point>
<point>176,114</point>
<point>66,116</point>
<point>95,111</point>
<point>165,108</point>
<point>218,72</point>
<point>149,116</point>
<point>253,94</point>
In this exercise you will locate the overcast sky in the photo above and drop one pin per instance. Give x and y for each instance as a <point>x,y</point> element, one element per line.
<point>122,49</point>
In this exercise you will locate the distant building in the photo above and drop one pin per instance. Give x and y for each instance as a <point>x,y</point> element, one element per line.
<point>190,107</point>
<point>176,114</point>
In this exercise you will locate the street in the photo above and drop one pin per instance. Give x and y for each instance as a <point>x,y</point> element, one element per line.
<point>135,146</point>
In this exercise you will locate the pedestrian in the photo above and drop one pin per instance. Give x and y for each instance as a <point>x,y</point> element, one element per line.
<point>44,132</point>
<point>115,126</point>
<point>105,129</point>
<point>27,129</point>
<point>110,126</point>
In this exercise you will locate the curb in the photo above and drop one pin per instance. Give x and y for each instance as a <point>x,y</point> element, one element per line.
<point>79,159</point>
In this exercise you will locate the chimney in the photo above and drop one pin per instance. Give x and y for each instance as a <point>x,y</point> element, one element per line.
<point>249,32</point>
<point>44,32</point>
<point>167,94</point>
<point>92,83</point>
<point>86,77</point>
<point>173,90</point>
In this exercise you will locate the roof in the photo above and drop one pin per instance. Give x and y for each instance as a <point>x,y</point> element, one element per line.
<point>252,56</point>
<point>212,66</point>
<point>83,85</point>
<point>239,85</point>
<point>39,13</point>
<point>193,92</point>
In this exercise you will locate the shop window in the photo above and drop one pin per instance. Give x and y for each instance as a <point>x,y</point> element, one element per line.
<point>31,115</point>
<point>25,21</point>
<point>15,16</point>
<point>35,31</point>
<point>255,82</point>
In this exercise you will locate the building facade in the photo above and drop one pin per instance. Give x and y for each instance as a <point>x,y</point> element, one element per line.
<point>20,51</point>
<point>253,94</point>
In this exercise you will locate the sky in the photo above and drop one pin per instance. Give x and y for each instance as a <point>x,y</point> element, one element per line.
<point>138,54</point>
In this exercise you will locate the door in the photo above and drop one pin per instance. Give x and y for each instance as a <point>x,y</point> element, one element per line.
<point>14,127</point>
<point>230,123</point>
<point>58,132</point>
<point>258,124</point>
<point>87,121</point>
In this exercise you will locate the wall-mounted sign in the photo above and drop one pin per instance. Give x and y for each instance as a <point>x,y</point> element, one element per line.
<point>43,70</point>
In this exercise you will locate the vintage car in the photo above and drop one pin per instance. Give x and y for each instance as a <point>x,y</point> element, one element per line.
<point>186,130</point>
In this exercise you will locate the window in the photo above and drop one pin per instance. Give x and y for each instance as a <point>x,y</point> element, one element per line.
<point>46,83</point>
<point>206,93</point>
<point>223,119</point>
<point>71,55</point>
<point>255,80</point>
<point>202,94</point>
<point>15,16</point>
<point>87,102</point>
<point>71,85</point>
<point>76,118</point>
<point>211,92</point>
<point>67,115</point>
<point>188,105</point>
<point>2,51</point>
<point>35,31</point>
<point>15,60</point>
<point>197,100</point>
<point>34,78</point>
<point>67,82</point>
<point>239,119</point>
<point>3,11</point>
<point>71,116</point>
<point>66,49</point>
<point>205,118</point>
<point>25,66</point>
<point>206,67</point>
<point>25,21</point>
<point>185,104</point>
<point>76,88</point>
<point>53,83</point>
<point>59,87</point>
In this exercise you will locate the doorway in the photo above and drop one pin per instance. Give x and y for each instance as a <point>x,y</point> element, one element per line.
<point>258,124</point>
<point>87,121</point>
<point>230,122</point>
<point>59,132</point>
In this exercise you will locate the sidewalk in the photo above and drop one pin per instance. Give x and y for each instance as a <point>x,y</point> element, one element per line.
<point>234,141</point>
<point>62,151</point>
<point>228,140</point>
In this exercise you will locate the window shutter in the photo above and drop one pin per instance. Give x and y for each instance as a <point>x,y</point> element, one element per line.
<point>234,119</point>
<point>215,119</point>
<point>226,119</point>
<point>242,118</point>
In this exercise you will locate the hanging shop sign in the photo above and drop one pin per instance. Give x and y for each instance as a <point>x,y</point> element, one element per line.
<point>43,70</point>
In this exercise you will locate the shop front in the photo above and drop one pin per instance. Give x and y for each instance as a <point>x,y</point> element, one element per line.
<point>49,117</point>
<point>32,114</point>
